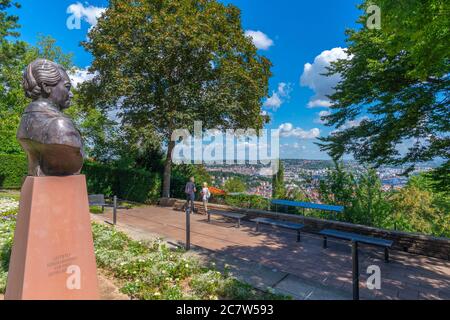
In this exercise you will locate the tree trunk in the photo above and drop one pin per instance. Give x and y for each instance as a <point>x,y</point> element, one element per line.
<point>168,170</point>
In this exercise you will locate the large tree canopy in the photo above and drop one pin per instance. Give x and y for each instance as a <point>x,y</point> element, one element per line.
<point>12,97</point>
<point>169,63</point>
<point>11,57</point>
<point>395,87</point>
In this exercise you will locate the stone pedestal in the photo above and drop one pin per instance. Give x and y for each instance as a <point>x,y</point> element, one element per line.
<point>53,252</point>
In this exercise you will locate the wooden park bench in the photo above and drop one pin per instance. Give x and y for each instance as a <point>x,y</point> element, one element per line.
<point>97,200</point>
<point>232,215</point>
<point>282,224</point>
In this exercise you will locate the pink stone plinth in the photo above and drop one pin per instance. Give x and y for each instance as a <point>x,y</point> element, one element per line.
<point>53,253</point>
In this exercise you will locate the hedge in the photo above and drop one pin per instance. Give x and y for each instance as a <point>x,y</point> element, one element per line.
<point>245,201</point>
<point>13,170</point>
<point>128,184</point>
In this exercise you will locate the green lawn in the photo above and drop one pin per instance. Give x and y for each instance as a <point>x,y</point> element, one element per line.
<point>12,194</point>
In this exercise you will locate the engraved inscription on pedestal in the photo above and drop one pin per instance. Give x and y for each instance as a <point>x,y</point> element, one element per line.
<point>60,263</point>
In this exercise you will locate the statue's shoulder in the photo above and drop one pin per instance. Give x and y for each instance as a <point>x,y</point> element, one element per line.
<point>43,106</point>
<point>43,122</point>
<point>61,130</point>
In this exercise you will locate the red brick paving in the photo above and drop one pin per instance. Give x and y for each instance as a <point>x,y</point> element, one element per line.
<point>407,276</point>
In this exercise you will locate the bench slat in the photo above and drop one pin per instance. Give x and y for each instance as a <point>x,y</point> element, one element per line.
<point>284,224</point>
<point>227,214</point>
<point>356,237</point>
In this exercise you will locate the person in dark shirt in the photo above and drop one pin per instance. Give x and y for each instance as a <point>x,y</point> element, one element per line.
<point>190,191</point>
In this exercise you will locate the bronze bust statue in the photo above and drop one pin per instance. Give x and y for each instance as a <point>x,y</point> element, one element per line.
<point>50,139</point>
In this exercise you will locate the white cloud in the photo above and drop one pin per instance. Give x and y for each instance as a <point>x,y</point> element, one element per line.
<point>90,13</point>
<point>288,130</point>
<point>278,97</point>
<point>313,77</point>
<point>78,76</point>
<point>298,146</point>
<point>320,115</point>
<point>286,127</point>
<point>260,39</point>
<point>274,102</point>
<point>284,89</point>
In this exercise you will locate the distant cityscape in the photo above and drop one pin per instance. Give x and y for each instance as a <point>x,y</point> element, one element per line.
<point>304,175</point>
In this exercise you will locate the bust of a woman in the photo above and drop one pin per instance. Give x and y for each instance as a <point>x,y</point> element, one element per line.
<point>53,144</point>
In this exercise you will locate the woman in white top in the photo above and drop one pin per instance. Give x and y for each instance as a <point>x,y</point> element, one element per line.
<point>205,196</point>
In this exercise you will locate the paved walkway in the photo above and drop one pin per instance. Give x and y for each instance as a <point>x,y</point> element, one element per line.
<point>273,258</point>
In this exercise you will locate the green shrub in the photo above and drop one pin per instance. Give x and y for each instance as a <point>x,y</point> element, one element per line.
<point>13,170</point>
<point>181,175</point>
<point>152,271</point>
<point>235,185</point>
<point>129,184</point>
<point>6,240</point>
<point>244,201</point>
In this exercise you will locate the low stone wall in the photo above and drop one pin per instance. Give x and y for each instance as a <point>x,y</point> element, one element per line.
<point>403,241</point>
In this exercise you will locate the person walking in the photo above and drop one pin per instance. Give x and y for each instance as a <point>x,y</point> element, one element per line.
<point>190,191</point>
<point>205,196</point>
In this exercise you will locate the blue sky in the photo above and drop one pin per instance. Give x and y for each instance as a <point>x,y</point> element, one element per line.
<point>291,33</point>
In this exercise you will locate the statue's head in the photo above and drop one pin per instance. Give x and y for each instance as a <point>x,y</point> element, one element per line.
<point>46,79</point>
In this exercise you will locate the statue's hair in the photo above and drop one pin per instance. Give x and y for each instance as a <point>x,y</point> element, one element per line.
<point>38,72</point>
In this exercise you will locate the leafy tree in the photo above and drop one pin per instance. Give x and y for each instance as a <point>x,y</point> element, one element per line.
<point>278,186</point>
<point>246,201</point>
<point>440,179</point>
<point>361,195</point>
<point>11,55</point>
<point>101,135</point>
<point>415,210</point>
<point>146,150</point>
<point>165,64</point>
<point>370,205</point>
<point>235,185</point>
<point>394,87</point>
<point>12,98</point>
<point>338,186</point>
<point>439,203</point>
<point>181,175</point>
<point>298,195</point>
<point>47,48</point>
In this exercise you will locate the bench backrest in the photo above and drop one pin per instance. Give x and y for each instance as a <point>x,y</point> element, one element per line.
<point>308,205</point>
<point>227,213</point>
<point>356,237</point>
<point>96,199</point>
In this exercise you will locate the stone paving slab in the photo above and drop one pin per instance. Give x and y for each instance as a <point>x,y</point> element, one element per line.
<point>301,290</point>
<point>407,276</point>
